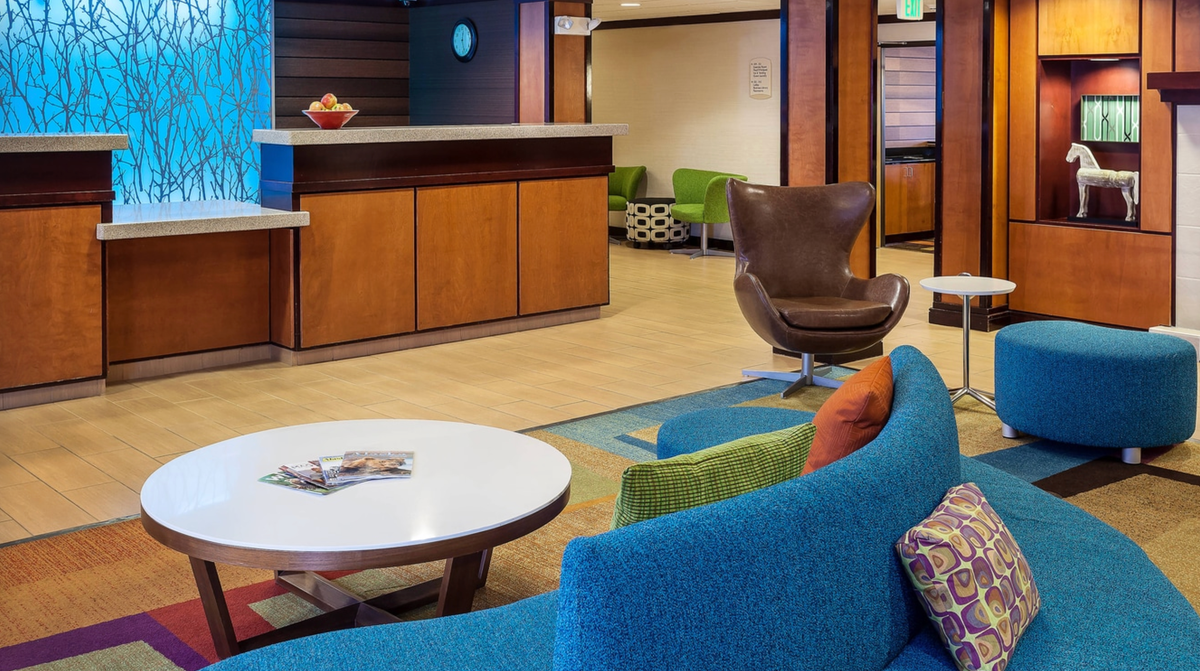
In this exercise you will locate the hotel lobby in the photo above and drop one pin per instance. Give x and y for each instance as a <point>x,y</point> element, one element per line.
<point>645,320</point>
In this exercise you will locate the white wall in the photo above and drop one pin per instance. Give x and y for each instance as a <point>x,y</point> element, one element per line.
<point>909,31</point>
<point>1187,218</point>
<point>685,93</point>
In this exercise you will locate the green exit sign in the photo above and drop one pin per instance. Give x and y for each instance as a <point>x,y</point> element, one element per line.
<point>910,10</point>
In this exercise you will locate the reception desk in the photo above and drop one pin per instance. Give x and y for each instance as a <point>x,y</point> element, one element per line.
<point>420,235</point>
<point>53,191</point>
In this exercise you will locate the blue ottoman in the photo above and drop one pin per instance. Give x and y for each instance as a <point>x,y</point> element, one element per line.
<point>705,428</point>
<point>1101,387</point>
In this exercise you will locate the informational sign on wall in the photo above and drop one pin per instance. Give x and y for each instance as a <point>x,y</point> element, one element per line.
<point>760,78</point>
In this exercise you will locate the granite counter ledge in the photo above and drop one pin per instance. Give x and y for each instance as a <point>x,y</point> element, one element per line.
<point>155,220</point>
<point>435,133</point>
<point>37,143</point>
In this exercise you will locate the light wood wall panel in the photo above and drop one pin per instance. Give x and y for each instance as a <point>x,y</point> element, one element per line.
<point>531,97</point>
<point>999,146</point>
<point>51,320</point>
<point>1088,27</point>
<point>856,121</point>
<point>466,254</point>
<point>962,138</point>
<point>184,294</point>
<point>806,92</point>
<point>1023,110</point>
<point>1110,277</point>
<point>1187,35</point>
<point>564,244</point>
<point>1157,208</point>
<point>570,69</point>
<point>357,258</point>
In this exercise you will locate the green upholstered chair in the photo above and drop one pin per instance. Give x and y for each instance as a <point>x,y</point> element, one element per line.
<point>700,199</point>
<point>623,186</point>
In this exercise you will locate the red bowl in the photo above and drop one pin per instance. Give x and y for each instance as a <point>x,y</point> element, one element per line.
<point>330,119</point>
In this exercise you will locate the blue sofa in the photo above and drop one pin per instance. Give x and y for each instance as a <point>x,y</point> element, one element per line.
<point>801,575</point>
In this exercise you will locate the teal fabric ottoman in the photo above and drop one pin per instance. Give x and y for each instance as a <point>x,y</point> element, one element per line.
<point>694,431</point>
<point>1095,386</point>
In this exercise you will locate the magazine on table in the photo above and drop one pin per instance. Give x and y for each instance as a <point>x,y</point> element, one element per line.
<point>330,467</point>
<point>362,466</point>
<point>285,480</point>
<point>309,471</point>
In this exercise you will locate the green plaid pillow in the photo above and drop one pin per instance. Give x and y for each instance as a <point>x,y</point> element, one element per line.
<point>656,488</point>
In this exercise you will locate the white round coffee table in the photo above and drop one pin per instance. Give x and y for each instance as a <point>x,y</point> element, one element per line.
<point>968,286</point>
<point>472,488</point>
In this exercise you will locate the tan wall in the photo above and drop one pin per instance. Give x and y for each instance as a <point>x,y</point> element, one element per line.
<point>685,93</point>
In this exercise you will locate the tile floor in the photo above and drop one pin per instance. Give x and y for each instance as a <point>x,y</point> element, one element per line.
<point>673,328</point>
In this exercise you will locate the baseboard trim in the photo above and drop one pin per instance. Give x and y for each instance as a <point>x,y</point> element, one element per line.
<point>425,339</point>
<point>52,393</point>
<point>982,319</point>
<point>187,363</point>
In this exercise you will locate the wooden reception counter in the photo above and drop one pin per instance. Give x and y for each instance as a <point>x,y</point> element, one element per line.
<point>53,191</point>
<point>428,234</point>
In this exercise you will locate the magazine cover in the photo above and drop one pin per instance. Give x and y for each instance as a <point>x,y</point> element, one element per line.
<point>307,470</point>
<point>285,480</point>
<point>330,468</point>
<point>359,466</point>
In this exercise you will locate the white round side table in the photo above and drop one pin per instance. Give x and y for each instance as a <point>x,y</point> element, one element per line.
<point>968,286</point>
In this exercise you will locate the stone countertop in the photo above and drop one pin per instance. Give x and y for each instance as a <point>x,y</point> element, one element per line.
<point>57,142</point>
<point>351,135</point>
<point>157,220</point>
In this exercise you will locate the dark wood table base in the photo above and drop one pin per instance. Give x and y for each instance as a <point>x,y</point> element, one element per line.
<point>453,593</point>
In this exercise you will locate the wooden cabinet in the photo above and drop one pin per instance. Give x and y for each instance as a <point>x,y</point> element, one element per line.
<point>564,244</point>
<point>908,200</point>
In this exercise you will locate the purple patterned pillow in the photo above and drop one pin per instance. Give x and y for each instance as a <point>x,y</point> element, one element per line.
<point>971,578</point>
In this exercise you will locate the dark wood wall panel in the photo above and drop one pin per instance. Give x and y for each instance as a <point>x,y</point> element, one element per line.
<point>1157,209</point>
<point>806,91</point>
<point>444,90</point>
<point>570,69</point>
<point>466,254</point>
<point>1023,110</point>
<point>962,138</point>
<point>189,293</point>
<point>1110,277</point>
<point>357,258</point>
<point>52,259</point>
<point>358,52</point>
<point>533,51</point>
<point>856,108</point>
<point>1187,35</point>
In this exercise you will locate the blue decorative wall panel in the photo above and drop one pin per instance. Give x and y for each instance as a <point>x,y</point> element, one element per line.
<point>188,80</point>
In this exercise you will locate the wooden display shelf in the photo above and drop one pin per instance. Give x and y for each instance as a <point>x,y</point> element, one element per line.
<point>1181,88</point>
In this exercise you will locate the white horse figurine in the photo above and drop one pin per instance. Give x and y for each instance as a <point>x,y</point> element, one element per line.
<point>1090,174</point>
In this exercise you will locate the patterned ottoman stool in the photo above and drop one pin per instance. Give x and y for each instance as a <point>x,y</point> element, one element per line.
<point>650,220</point>
<point>1100,387</point>
<point>697,430</point>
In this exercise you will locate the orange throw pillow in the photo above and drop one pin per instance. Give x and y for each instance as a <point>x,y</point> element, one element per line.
<point>853,416</point>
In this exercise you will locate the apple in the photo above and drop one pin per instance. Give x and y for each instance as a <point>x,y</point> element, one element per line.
<point>345,107</point>
<point>329,101</point>
<point>316,106</point>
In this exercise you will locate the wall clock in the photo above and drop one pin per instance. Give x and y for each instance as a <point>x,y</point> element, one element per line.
<point>465,40</point>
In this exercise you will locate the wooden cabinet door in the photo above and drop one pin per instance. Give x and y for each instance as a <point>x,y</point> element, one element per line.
<point>357,276</point>
<point>51,293</point>
<point>920,191</point>
<point>466,254</point>
<point>894,199</point>
<point>564,244</point>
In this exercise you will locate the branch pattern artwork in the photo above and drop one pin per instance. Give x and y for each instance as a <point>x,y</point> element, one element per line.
<point>187,80</point>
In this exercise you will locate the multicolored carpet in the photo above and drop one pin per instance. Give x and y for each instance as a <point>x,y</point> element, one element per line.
<point>110,597</point>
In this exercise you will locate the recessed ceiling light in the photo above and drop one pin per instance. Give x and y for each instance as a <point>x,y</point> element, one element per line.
<point>631,4</point>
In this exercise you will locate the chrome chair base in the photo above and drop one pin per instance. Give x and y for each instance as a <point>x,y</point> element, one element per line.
<point>982,396</point>
<point>807,377</point>
<point>704,250</point>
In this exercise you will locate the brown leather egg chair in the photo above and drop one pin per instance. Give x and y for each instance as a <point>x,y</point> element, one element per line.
<point>793,280</point>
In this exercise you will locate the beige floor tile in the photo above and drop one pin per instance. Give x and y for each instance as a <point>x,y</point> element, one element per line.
<point>38,414</point>
<point>538,414</point>
<point>149,438</point>
<point>284,413</point>
<point>61,469</point>
<point>161,411</point>
<point>107,501</point>
<point>265,426</point>
<point>129,467</point>
<point>228,414</point>
<point>540,395</point>
<point>21,438</point>
<point>204,433</point>
<point>12,531</point>
<point>350,393</point>
<point>39,509</point>
<point>584,409</point>
<point>339,409</point>
<point>477,414</point>
<point>11,473</point>
<point>404,410</point>
<point>81,437</point>
<point>174,390</point>
<point>592,394</point>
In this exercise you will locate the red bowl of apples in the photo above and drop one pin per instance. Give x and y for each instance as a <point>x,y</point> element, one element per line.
<point>328,113</point>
